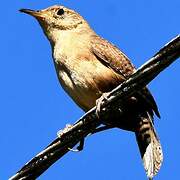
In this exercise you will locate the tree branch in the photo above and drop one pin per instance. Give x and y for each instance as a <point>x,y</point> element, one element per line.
<point>71,135</point>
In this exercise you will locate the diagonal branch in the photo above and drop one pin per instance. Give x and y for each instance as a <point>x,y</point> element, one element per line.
<point>70,136</point>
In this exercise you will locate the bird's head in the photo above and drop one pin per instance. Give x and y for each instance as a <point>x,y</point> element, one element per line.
<point>57,18</point>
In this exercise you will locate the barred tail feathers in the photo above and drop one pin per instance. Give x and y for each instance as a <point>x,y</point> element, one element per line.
<point>149,146</point>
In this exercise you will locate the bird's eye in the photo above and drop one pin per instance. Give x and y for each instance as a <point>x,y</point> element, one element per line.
<point>60,12</point>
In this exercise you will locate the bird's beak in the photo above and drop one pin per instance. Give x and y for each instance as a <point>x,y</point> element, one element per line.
<point>36,14</point>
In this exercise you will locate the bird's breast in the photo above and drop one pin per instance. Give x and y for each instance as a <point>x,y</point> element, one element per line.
<point>84,77</point>
<point>85,81</point>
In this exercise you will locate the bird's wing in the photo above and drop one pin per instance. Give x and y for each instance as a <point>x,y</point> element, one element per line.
<point>115,59</point>
<point>112,57</point>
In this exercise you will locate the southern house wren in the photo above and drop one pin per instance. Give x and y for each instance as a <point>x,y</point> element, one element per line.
<point>88,66</point>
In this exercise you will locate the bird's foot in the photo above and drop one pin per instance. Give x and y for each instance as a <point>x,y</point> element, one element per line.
<point>64,131</point>
<point>99,102</point>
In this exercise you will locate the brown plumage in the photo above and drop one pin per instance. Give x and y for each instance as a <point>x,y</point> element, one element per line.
<point>88,66</point>
<point>147,139</point>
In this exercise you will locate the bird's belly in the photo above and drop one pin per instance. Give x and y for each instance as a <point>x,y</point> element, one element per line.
<point>79,88</point>
<point>86,82</point>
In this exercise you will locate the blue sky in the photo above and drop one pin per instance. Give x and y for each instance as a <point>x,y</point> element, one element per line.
<point>34,106</point>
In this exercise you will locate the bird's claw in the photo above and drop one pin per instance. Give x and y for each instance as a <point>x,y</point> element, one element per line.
<point>99,102</point>
<point>65,130</point>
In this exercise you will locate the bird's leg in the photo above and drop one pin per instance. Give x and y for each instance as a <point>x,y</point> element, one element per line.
<point>81,145</point>
<point>66,129</point>
<point>98,111</point>
<point>99,102</point>
<point>79,148</point>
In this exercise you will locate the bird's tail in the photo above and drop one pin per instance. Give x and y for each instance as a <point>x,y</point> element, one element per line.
<point>149,146</point>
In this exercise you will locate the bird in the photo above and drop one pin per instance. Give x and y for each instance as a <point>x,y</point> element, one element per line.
<point>89,66</point>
